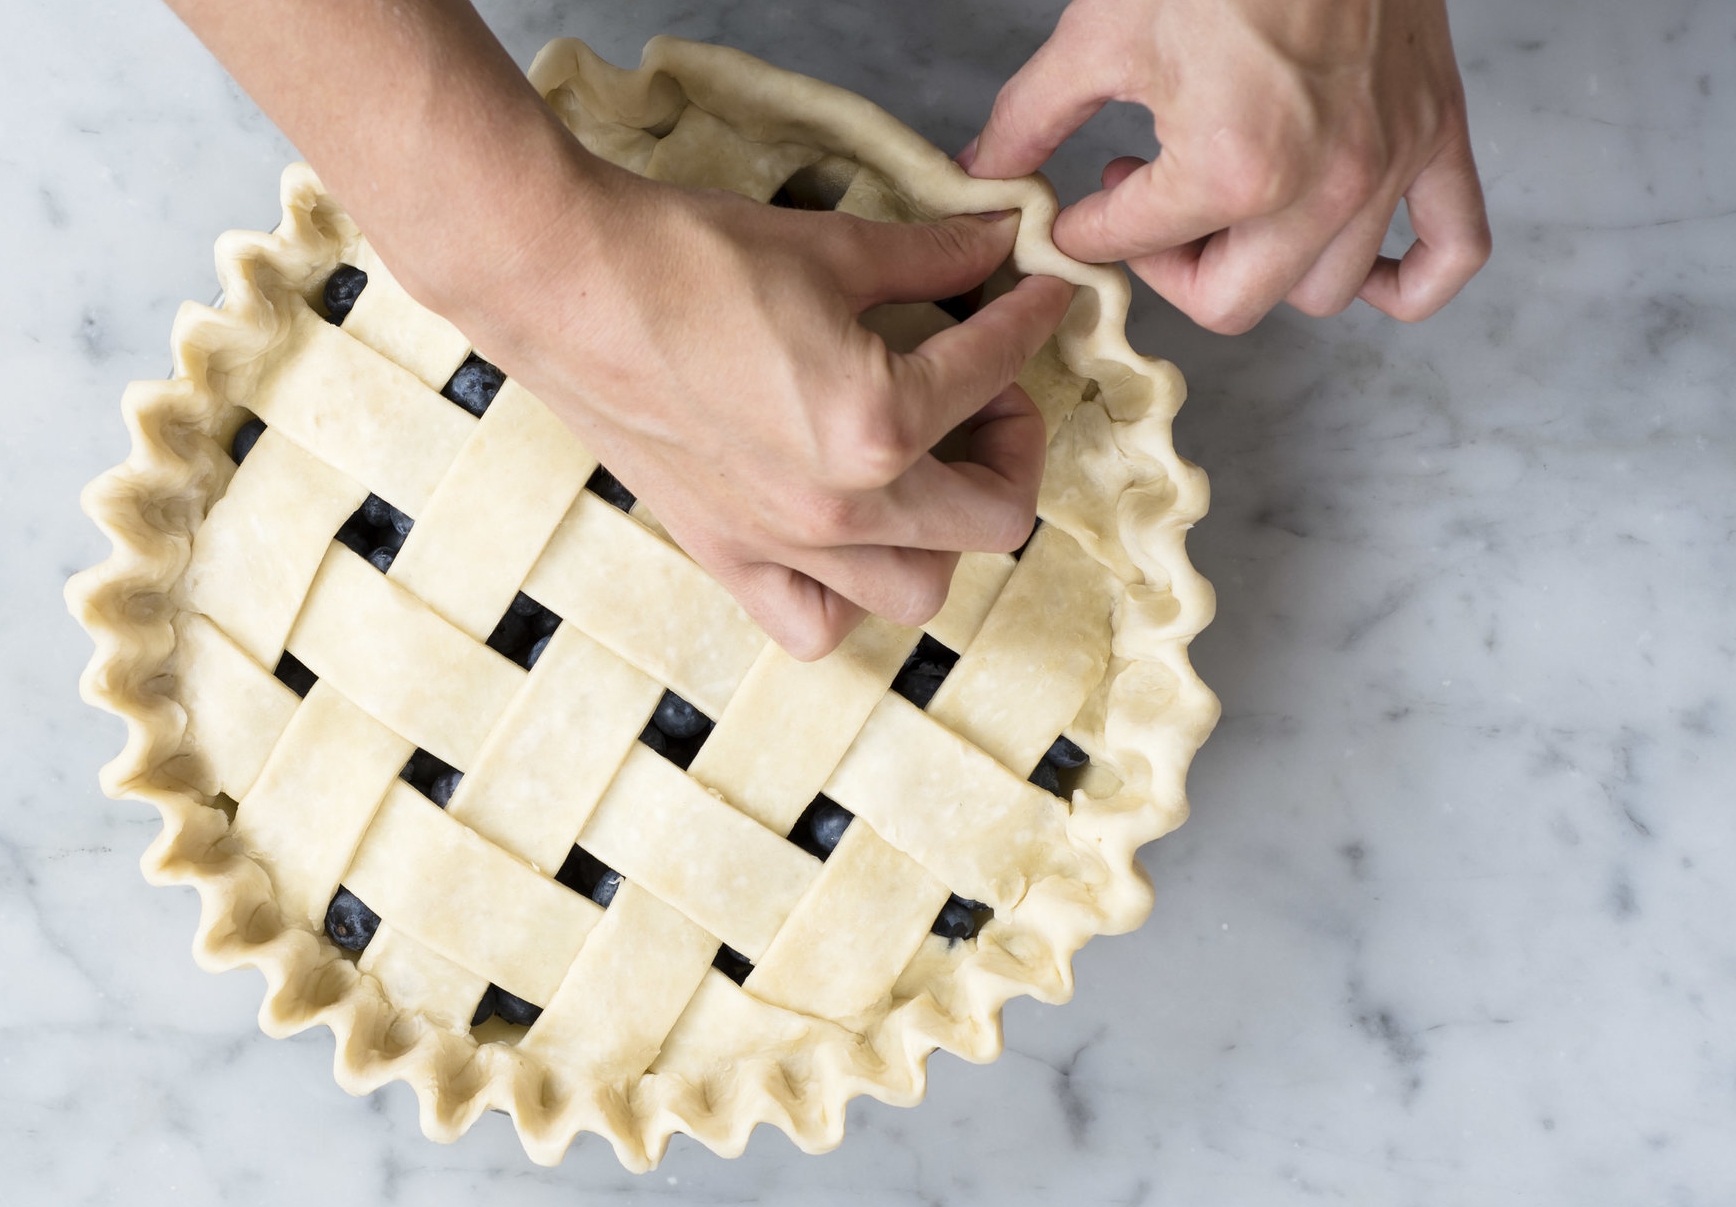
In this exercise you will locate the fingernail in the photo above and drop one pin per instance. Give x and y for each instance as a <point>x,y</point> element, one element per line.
<point>967,156</point>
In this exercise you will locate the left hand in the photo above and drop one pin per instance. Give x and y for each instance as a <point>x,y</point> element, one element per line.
<point>1290,130</point>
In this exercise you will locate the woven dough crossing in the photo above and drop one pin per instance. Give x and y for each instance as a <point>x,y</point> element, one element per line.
<point>833,983</point>
<point>550,756</point>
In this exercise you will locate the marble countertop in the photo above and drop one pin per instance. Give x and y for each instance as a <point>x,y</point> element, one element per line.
<point>1451,922</point>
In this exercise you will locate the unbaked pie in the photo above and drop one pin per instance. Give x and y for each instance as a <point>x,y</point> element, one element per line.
<point>484,774</point>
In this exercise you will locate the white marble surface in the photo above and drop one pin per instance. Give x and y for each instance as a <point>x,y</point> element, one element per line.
<point>1452,920</point>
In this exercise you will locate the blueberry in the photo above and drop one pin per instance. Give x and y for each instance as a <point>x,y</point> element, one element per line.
<point>536,651</point>
<point>827,823</point>
<point>401,523</point>
<point>1065,754</point>
<point>474,385</point>
<point>731,963</point>
<point>515,1009</point>
<point>525,606</point>
<point>246,436</point>
<point>679,719</point>
<point>923,671</point>
<point>342,289</point>
<point>653,737</point>
<point>1047,778</point>
<point>376,511</point>
<point>544,622</point>
<point>609,487</point>
<point>381,558</point>
<point>293,675</point>
<point>960,918</point>
<point>604,890</point>
<point>484,1008</point>
<point>919,683</point>
<point>589,876</point>
<point>389,538</point>
<point>357,537</point>
<point>509,635</point>
<point>444,785</point>
<point>350,924</point>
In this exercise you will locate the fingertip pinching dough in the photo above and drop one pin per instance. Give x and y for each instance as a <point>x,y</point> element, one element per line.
<point>365,591</point>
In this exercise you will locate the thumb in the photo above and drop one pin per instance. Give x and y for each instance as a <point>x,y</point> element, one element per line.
<point>922,261</point>
<point>1057,90</point>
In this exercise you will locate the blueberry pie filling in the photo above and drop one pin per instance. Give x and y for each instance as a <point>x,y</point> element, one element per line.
<point>419,679</point>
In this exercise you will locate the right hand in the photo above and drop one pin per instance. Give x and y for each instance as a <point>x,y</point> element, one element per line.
<point>706,348</point>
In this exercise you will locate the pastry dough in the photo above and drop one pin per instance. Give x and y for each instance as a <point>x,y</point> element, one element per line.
<point>269,803</point>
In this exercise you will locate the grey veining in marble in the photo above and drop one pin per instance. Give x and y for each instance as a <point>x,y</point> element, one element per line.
<point>1451,922</point>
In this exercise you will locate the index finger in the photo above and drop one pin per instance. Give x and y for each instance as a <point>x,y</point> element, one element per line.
<point>953,373</point>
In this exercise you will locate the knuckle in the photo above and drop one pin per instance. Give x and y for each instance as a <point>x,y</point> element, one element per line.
<point>1351,180</point>
<point>1319,304</point>
<point>1253,179</point>
<point>869,449</point>
<point>1224,314</point>
<point>822,520</point>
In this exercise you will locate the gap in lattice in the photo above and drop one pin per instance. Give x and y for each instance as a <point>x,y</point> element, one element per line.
<point>375,531</point>
<point>676,730</point>
<point>607,487</point>
<point>1020,551</point>
<point>1061,767</point>
<point>473,385</point>
<point>731,963</point>
<point>523,631</point>
<point>589,876</point>
<point>961,918</point>
<point>432,776</point>
<point>293,674</point>
<point>821,826</point>
<point>924,671</point>
<point>508,1008</point>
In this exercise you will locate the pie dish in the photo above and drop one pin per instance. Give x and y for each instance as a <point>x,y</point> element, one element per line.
<point>484,774</point>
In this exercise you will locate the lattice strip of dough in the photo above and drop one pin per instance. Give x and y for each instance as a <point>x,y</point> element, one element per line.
<point>702,152</point>
<point>555,749</point>
<point>1042,648</point>
<point>634,976</point>
<point>493,512</point>
<point>416,976</point>
<point>355,410</point>
<point>980,828</point>
<point>976,584</point>
<point>393,655</point>
<point>255,555</point>
<point>847,941</point>
<point>791,722</point>
<point>660,828</point>
<point>647,601</point>
<point>452,890</point>
<point>308,810</point>
<point>401,329</point>
<point>236,709</point>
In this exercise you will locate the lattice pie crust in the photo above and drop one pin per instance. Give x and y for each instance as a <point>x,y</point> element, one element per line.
<point>270,801</point>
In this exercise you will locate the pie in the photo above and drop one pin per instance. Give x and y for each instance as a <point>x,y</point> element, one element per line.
<point>484,774</point>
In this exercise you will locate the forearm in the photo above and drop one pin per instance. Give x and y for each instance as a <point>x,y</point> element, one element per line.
<point>417,120</point>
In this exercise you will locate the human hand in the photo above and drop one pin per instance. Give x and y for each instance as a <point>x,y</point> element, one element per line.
<point>707,349</point>
<point>1289,131</point>
<point>704,346</point>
